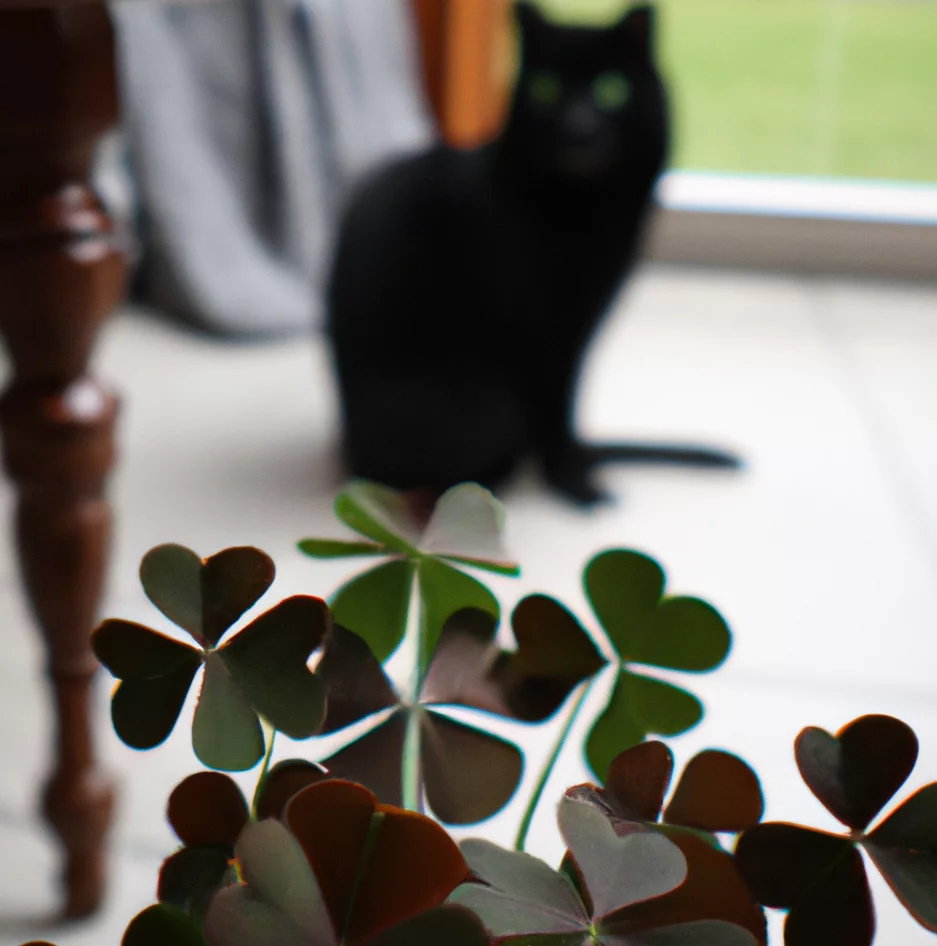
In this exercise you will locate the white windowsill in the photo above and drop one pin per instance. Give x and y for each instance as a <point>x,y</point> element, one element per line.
<point>878,228</point>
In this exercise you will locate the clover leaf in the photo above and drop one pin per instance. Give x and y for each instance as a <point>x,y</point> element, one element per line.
<point>555,653</point>
<point>626,590</point>
<point>468,774</point>
<point>260,672</point>
<point>208,812</point>
<point>521,899</point>
<point>163,925</point>
<point>465,528</point>
<point>343,869</point>
<point>819,877</point>
<point>717,792</point>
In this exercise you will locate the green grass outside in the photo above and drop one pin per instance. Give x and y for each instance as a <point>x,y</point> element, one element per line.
<point>844,88</point>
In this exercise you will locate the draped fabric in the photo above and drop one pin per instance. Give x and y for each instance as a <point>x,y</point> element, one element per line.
<point>246,122</point>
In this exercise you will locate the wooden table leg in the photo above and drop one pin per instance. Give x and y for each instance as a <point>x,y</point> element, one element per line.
<point>60,275</point>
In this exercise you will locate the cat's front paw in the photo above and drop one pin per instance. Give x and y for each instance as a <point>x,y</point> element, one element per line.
<point>571,476</point>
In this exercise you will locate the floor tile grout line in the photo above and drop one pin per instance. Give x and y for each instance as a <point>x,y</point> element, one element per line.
<point>907,495</point>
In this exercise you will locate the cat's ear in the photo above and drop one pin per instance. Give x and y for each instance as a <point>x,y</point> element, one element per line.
<point>637,28</point>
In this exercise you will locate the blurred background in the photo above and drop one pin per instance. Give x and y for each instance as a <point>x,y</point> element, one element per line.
<point>786,307</point>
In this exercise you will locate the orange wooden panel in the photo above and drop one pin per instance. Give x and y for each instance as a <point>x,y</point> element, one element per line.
<point>466,47</point>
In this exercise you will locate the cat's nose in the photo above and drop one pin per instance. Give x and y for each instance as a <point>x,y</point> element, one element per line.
<point>581,120</point>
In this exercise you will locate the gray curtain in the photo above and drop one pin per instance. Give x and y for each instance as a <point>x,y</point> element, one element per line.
<point>246,123</point>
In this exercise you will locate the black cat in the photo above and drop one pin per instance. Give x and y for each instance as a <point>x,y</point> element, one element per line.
<point>466,285</point>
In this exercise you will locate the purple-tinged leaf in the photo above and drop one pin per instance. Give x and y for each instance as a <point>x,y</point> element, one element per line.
<point>356,686</point>
<point>283,781</point>
<point>207,808</point>
<point>131,651</point>
<point>267,661</point>
<point>856,772</point>
<point>469,774</point>
<point>904,849</point>
<point>144,711</point>
<point>444,926</point>
<point>819,877</point>
<point>716,792</point>
<point>190,878</point>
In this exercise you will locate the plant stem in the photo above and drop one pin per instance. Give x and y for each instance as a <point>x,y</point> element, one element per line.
<point>271,735</point>
<point>524,829</point>
<point>412,774</point>
<point>411,777</point>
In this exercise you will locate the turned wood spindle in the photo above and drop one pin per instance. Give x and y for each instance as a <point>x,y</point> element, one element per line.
<point>61,273</point>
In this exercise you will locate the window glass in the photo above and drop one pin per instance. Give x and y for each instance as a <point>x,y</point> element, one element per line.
<point>841,88</point>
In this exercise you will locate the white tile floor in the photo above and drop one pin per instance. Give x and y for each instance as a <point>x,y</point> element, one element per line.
<point>823,554</point>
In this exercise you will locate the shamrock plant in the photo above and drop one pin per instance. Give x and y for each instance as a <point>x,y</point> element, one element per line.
<point>464,529</point>
<point>260,673</point>
<point>820,877</point>
<point>555,653</point>
<point>338,851</point>
<point>467,774</point>
<point>522,900</point>
<point>717,793</point>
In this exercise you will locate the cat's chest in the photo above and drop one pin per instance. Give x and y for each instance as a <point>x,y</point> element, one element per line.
<point>541,269</point>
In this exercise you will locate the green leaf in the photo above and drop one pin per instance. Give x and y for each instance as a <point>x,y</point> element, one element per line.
<point>624,589</point>
<point>519,894</point>
<point>163,925</point>
<point>226,733</point>
<point>335,548</point>
<point>267,660</point>
<point>443,591</point>
<point>618,871</point>
<point>638,706</point>
<point>682,634</point>
<point>282,903</point>
<point>695,933</point>
<point>467,526</point>
<point>379,513</point>
<point>511,571</point>
<point>171,576</point>
<point>375,605</point>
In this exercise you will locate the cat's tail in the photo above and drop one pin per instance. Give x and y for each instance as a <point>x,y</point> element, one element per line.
<point>669,454</point>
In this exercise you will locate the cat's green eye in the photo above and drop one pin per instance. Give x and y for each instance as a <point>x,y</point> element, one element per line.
<point>611,91</point>
<point>544,88</point>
